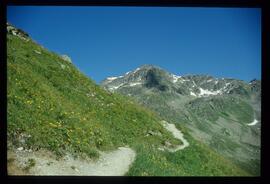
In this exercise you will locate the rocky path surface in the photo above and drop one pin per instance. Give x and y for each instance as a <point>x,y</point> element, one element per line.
<point>177,134</point>
<point>115,163</point>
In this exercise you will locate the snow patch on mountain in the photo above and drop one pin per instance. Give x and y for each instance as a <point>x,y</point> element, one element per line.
<point>193,94</point>
<point>137,69</point>
<point>135,83</point>
<point>254,122</point>
<point>112,88</point>
<point>111,78</point>
<point>205,92</point>
<point>175,78</point>
<point>183,80</point>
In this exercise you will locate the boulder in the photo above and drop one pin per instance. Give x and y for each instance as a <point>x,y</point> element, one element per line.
<point>66,58</point>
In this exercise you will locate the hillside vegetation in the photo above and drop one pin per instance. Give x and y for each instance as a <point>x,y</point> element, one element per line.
<point>64,110</point>
<point>53,106</point>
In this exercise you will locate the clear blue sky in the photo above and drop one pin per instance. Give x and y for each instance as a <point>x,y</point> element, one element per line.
<point>109,41</point>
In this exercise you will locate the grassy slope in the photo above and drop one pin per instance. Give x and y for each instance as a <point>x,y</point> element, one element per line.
<point>63,110</point>
<point>195,160</point>
<point>195,113</point>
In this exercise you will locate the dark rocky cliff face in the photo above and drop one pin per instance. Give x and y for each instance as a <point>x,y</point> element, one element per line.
<point>153,80</point>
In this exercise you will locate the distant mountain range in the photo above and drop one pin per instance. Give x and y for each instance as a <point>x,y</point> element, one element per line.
<point>193,85</point>
<point>223,113</point>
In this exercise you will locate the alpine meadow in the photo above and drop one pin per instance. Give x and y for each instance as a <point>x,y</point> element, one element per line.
<point>145,122</point>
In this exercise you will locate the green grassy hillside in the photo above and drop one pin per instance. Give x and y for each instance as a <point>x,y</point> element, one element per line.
<point>64,110</point>
<point>52,105</point>
<point>195,160</point>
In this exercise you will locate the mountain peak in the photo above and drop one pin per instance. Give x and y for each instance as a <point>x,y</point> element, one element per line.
<point>144,68</point>
<point>148,66</point>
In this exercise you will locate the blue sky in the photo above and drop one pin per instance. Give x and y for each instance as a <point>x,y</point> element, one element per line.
<point>109,41</point>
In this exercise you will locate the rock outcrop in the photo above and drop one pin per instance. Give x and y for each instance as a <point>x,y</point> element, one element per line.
<point>66,58</point>
<point>17,32</point>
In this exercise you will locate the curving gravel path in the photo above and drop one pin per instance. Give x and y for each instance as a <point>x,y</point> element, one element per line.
<point>115,163</point>
<point>177,134</point>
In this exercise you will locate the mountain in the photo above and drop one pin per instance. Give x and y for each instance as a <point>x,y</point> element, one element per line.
<point>58,118</point>
<point>151,76</point>
<point>223,113</point>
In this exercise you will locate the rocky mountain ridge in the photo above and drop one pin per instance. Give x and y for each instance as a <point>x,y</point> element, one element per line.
<point>152,76</point>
